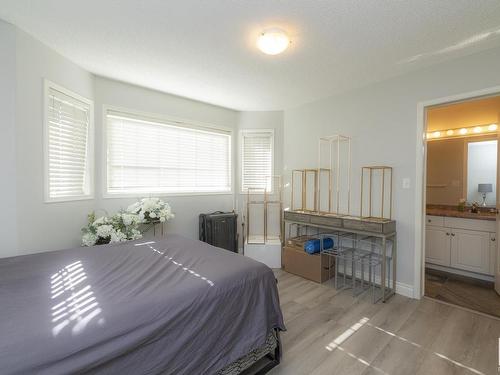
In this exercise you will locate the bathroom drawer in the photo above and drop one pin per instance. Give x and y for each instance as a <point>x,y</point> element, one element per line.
<point>470,224</point>
<point>436,221</point>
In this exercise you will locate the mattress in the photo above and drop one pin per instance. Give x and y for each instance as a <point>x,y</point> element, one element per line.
<point>174,306</point>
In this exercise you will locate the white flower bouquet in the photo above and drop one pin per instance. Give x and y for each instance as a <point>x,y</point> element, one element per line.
<point>124,226</point>
<point>120,227</point>
<point>151,210</point>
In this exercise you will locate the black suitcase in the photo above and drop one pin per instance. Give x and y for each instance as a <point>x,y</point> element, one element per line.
<point>220,229</point>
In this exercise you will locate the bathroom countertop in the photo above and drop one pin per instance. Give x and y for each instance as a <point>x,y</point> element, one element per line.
<point>452,211</point>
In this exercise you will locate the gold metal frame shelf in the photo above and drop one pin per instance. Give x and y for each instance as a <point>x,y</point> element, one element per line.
<point>338,168</point>
<point>274,200</point>
<point>275,197</point>
<point>304,191</point>
<point>385,190</point>
<point>255,202</point>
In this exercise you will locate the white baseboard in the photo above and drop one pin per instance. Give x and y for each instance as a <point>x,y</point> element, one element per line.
<point>460,272</point>
<point>403,289</point>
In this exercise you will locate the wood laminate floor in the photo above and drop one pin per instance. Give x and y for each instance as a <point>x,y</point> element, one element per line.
<point>332,332</point>
<point>462,291</point>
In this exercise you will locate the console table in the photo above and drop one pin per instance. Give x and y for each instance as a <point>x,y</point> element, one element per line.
<point>384,229</point>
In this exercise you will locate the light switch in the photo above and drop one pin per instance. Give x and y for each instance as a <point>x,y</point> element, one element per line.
<point>406,183</point>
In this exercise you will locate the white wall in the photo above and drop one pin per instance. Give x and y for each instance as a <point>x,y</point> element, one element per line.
<point>186,208</point>
<point>259,120</point>
<point>382,120</point>
<point>29,224</point>
<point>42,226</point>
<point>8,224</point>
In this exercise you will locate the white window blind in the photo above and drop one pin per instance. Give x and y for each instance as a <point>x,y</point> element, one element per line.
<point>68,145</point>
<point>155,156</point>
<point>256,159</point>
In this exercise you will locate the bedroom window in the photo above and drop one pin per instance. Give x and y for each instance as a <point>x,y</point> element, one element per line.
<point>68,145</point>
<point>256,159</point>
<point>146,156</point>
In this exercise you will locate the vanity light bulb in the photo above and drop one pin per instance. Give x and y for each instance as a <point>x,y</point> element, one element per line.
<point>493,127</point>
<point>477,129</point>
<point>449,132</point>
<point>463,131</point>
<point>436,134</point>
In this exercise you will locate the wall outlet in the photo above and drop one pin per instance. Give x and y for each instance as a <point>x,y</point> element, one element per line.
<point>406,183</point>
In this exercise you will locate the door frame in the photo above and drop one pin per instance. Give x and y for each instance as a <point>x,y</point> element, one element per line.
<point>420,177</point>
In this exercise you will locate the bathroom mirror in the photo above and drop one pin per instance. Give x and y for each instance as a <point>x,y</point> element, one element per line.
<point>482,172</point>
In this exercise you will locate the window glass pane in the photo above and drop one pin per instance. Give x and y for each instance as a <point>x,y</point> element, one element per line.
<point>157,157</point>
<point>67,137</point>
<point>256,160</point>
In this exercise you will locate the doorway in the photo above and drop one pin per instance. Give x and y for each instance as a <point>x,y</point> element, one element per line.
<point>459,257</point>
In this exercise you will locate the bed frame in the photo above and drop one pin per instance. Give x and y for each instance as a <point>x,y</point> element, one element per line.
<point>258,361</point>
<point>266,363</point>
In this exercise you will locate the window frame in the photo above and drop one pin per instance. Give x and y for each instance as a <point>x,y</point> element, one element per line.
<point>156,117</point>
<point>47,86</point>
<point>241,153</point>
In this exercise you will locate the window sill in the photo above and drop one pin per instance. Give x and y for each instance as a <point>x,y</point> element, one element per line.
<point>153,194</point>
<point>69,199</point>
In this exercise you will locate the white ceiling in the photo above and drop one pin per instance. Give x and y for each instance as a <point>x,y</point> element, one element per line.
<point>205,49</point>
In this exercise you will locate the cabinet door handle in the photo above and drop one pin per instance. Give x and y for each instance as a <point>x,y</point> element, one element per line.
<point>447,234</point>
<point>493,239</point>
<point>453,234</point>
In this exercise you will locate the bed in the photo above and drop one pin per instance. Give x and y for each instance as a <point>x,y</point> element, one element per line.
<point>170,306</point>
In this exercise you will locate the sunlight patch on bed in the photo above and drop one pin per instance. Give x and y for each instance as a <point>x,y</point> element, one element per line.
<point>75,302</point>
<point>178,264</point>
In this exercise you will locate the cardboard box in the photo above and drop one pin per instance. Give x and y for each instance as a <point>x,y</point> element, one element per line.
<point>300,263</point>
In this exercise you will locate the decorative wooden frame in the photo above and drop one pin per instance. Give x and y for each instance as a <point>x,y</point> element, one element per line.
<point>250,202</point>
<point>277,191</point>
<point>304,191</point>
<point>370,169</point>
<point>275,198</point>
<point>329,172</point>
<point>292,201</point>
<point>334,166</point>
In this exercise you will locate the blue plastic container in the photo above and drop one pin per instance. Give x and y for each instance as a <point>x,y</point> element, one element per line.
<point>314,246</point>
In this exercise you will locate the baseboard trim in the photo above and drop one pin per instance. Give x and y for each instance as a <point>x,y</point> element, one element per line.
<point>403,289</point>
<point>460,272</point>
<point>463,308</point>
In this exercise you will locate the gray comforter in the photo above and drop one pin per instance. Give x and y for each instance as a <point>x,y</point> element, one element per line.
<point>174,306</point>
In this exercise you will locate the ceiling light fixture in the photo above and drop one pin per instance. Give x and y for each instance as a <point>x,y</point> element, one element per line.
<point>273,41</point>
